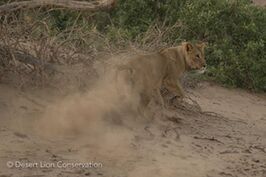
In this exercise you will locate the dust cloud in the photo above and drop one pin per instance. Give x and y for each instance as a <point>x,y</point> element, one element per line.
<point>110,103</point>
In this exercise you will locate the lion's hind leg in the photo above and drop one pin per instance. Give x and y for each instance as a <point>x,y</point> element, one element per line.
<point>143,106</point>
<point>158,99</point>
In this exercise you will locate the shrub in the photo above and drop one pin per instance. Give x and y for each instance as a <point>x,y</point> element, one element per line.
<point>236,34</point>
<point>234,29</point>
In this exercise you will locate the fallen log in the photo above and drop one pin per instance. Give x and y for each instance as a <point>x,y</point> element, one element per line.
<point>89,6</point>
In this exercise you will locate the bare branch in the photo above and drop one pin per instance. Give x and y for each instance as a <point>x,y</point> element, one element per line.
<point>91,6</point>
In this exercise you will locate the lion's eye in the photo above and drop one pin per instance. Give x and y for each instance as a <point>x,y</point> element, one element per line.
<point>197,56</point>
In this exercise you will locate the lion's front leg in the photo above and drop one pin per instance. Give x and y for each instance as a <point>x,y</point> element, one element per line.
<point>175,87</point>
<point>180,92</point>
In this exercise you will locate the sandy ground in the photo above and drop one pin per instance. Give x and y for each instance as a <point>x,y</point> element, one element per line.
<point>260,2</point>
<point>224,137</point>
<point>218,132</point>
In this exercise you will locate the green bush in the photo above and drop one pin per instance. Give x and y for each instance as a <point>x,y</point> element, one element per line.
<point>236,34</point>
<point>234,29</point>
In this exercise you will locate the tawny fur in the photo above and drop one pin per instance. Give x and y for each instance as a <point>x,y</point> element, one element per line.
<point>147,73</point>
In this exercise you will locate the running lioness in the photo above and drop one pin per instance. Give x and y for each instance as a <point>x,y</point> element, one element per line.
<point>149,72</point>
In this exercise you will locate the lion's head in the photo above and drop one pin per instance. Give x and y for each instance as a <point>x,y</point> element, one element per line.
<point>191,54</point>
<point>194,55</point>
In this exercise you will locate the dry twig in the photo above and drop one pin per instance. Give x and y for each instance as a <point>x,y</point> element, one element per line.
<point>91,6</point>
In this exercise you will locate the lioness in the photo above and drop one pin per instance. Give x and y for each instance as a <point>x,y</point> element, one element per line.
<point>149,72</point>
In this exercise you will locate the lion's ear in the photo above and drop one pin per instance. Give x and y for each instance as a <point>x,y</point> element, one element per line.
<point>188,46</point>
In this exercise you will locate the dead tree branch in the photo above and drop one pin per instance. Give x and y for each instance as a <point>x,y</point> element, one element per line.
<point>91,6</point>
